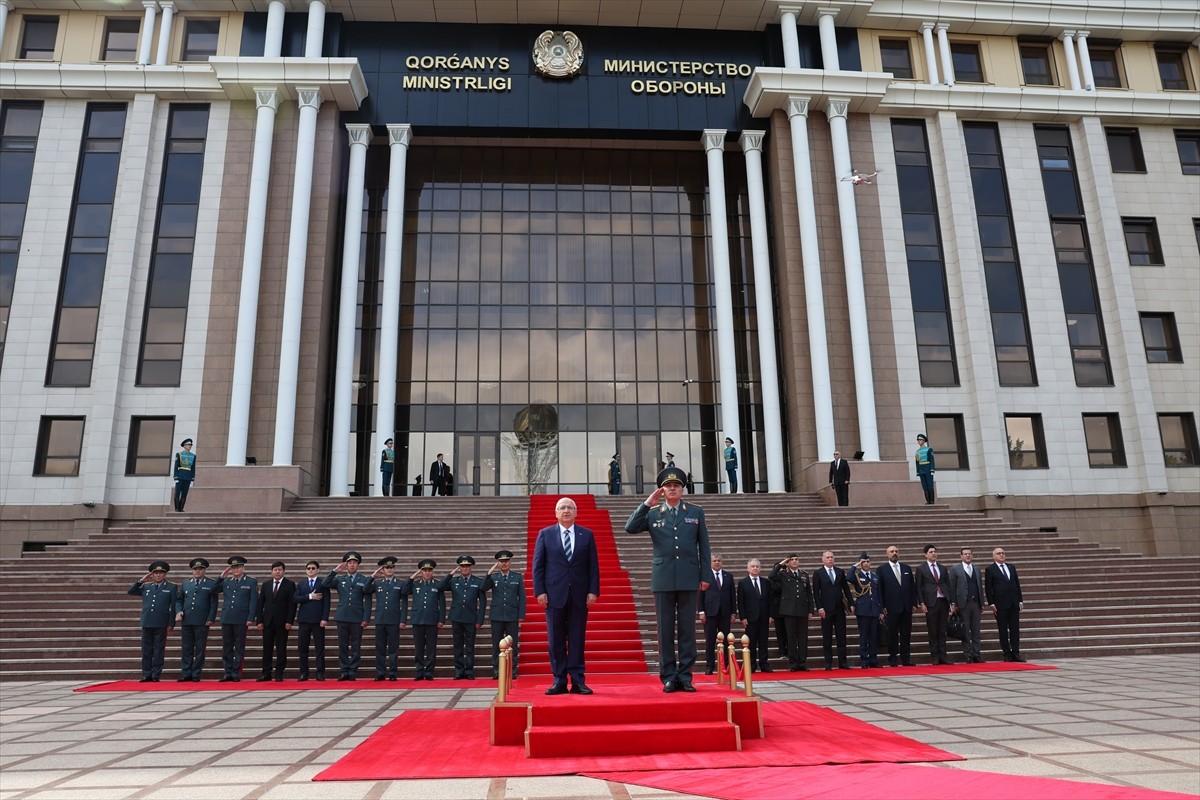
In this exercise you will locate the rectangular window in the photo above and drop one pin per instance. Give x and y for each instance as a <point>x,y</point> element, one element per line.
<point>1102,434</point>
<point>59,446</point>
<point>1172,66</point>
<point>968,67</point>
<point>946,432</point>
<point>1141,240</point>
<point>1162,339</point>
<point>38,38</point>
<point>1188,145</point>
<point>1026,443</point>
<point>1178,432</point>
<point>1035,65</point>
<point>1125,150</point>
<point>200,39</point>
<point>1106,68</point>
<point>120,39</point>
<point>896,57</point>
<point>19,126</point>
<point>150,446</point>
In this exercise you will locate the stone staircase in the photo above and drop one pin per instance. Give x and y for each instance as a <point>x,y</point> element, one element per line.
<point>64,613</point>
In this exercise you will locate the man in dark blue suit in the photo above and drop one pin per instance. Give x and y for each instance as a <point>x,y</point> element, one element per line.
<point>566,582</point>
<point>312,615</point>
<point>898,590</point>
<point>754,610</point>
<point>718,605</point>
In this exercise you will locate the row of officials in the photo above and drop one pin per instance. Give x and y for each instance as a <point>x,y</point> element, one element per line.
<point>278,604</point>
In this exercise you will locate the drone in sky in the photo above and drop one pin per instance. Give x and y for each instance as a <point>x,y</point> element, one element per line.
<point>858,178</point>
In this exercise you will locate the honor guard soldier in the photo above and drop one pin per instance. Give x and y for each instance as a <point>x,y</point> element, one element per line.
<point>312,614</point>
<point>237,614</point>
<point>353,612</point>
<point>467,601</point>
<point>158,617</point>
<point>391,614</point>
<point>508,607</point>
<point>196,613</point>
<point>184,473</point>
<point>428,614</point>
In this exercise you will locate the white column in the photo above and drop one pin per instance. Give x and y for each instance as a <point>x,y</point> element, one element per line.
<point>791,39</point>
<point>147,31</point>
<point>343,371</point>
<point>164,33</point>
<point>1068,40</point>
<point>947,59</point>
<point>829,51</point>
<point>316,29</point>
<point>1085,61</point>
<point>856,297</point>
<point>293,293</point>
<point>4,6</point>
<point>930,59</point>
<point>714,148</point>
<point>764,309</point>
<point>389,320</point>
<point>252,251</point>
<point>814,292</point>
<point>273,45</point>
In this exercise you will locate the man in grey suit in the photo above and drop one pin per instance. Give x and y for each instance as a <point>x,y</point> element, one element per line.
<point>966,597</point>
<point>933,588</point>
<point>680,538</point>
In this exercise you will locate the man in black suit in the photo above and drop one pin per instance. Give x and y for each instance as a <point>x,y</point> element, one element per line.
<point>1004,597</point>
<point>754,610</point>
<point>439,477</point>
<point>839,476</point>
<point>718,605</point>
<point>312,614</point>
<point>966,599</point>
<point>794,590</point>
<point>276,613</point>
<point>831,596</point>
<point>566,582</point>
<point>933,589</point>
<point>898,590</point>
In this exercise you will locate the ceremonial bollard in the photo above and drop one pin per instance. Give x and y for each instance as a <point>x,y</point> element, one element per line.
<point>505,668</point>
<point>748,680</point>
<point>721,671</point>
<point>731,661</point>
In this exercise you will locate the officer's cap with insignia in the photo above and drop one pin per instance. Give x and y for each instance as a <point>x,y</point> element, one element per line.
<point>793,555</point>
<point>199,563</point>
<point>672,475</point>
<point>727,439</point>
<point>504,555</point>
<point>159,566</point>
<point>185,442</point>
<point>352,555</point>
<point>864,556</point>
<point>670,455</point>
<point>427,563</point>
<point>465,561</point>
<point>236,561</point>
<point>388,561</point>
<point>616,455</point>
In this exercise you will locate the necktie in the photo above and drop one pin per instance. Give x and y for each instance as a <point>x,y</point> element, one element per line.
<point>567,542</point>
<point>937,576</point>
<point>1004,569</point>
<point>718,579</point>
<point>757,588</point>
<point>276,589</point>
<point>831,578</point>
<point>312,584</point>
<point>896,569</point>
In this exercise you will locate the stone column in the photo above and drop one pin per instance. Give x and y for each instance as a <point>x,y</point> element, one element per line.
<point>1085,61</point>
<point>316,29</point>
<point>829,50</point>
<point>273,44</point>
<point>930,52</point>
<point>164,33</point>
<point>790,37</point>
<point>1068,40</point>
<point>147,30</point>
<point>947,59</point>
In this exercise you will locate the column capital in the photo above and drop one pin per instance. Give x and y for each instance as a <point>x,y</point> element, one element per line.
<point>266,96</point>
<point>751,140</point>
<point>783,11</point>
<point>147,4</point>
<point>713,139</point>
<point>837,107</point>
<point>828,12</point>
<point>1082,34</point>
<point>359,133</point>
<point>797,106</point>
<point>167,5</point>
<point>942,27</point>
<point>926,26</point>
<point>309,96</point>
<point>399,135</point>
<point>1066,35</point>
<point>312,3</point>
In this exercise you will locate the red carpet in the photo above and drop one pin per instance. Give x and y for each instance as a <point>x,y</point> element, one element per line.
<point>894,781</point>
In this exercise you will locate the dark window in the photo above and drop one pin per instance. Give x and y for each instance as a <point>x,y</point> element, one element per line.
<point>59,445</point>
<point>1178,432</point>
<point>120,39</point>
<point>1162,338</point>
<point>967,65</point>
<point>1105,68</point>
<point>1102,435</point>
<point>200,39</point>
<point>1172,66</point>
<point>896,57</point>
<point>150,446</point>
<point>1026,443</point>
<point>19,126</point>
<point>1125,150</point>
<point>1141,240</point>
<point>1188,145</point>
<point>1035,65</point>
<point>38,38</point>
<point>946,430</point>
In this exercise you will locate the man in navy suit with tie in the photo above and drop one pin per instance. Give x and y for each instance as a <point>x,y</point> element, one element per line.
<point>313,615</point>
<point>898,591</point>
<point>754,610</point>
<point>933,590</point>
<point>566,582</point>
<point>718,605</point>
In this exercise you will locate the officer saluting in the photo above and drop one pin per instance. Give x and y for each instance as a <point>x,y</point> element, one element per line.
<point>237,614</point>
<point>158,617</point>
<point>353,612</point>
<point>508,607</point>
<point>428,614</point>
<point>467,601</point>
<point>391,614</point>
<point>195,614</point>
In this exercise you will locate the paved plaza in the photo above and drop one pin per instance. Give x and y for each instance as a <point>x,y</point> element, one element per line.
<point>1130,720</point>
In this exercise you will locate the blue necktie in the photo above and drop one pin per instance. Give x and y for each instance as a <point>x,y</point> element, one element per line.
<point>567,543</point>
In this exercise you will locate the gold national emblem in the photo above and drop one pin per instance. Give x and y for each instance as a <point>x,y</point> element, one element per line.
<point>557,54</point>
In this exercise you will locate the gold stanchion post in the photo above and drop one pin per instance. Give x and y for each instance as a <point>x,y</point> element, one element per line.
<point>505,668</point>
<point>721,673</point>
<point>749,680</point>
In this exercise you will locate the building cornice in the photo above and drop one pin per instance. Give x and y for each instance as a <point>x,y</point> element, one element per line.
<point>770,88</point>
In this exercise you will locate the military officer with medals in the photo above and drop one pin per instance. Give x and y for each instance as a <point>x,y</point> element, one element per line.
<point>158,617</point>
<point>238,609</point>
<point>508,608</point>
<point>794,589</point>
<point>353,612</point>
<point>868,609</point>
<point>427,615</point>
<point>195,614</point>
<point>467,601</point>
<point>391,614</point>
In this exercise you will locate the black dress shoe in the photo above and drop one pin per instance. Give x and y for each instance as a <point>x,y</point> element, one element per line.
<point>262,678</point>
<point>581,688</point>
<point>145,680</point>
<point>686,687</point>
<point>428,677</point>
<point>909,664</point>
<point>343,678</point>
<point>829,668</point>
<point>391,677</point>
<point>279,679</point>
<point>379,678</point>
<point>557,689</point>
<point>766,669</point>
<point>320,677</point>
<point>182,680</point>
<point>419,678</point>
<point>1020,659</point>
<point>980,660</point>
<point>303,678</point>
<point>669,687</point>
<point>843,665</point>
<point>469,677</point>
<point>708,671</point>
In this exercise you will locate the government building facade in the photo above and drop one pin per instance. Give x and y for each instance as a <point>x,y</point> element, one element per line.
<point>531,235</point>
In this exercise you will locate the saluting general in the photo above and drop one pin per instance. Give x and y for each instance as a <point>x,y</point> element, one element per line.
<point>237,614</point>
<point>158,617</point>
<point>428,614</point>
<point>467,601</point>
<point>508,608</point>
<point>195,614</point>
<point>680,538</point>
<point>353,612</point>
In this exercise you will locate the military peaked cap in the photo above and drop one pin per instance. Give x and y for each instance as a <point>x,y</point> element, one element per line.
<point>672,475</point>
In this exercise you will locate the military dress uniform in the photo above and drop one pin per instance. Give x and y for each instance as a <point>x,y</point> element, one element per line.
<point>197,610</point>
<point>508,609</point>
<point>184,473</point>
<point>427,611</point>
<point>391,611</point>
<point>158,616</point>
<point>795,603</point>
<point>238,608</point>
<point>354,608</point>
<point>868,606</point>
<point>467,600</point>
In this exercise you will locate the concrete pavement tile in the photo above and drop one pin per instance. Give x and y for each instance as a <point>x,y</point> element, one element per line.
<point>193,792</point>
<point>234,776</point>
<point>192,744</point>
<point>33,779</point>
<point>1112,763</point>
<point>120,777</point>
<point>454,789</point>
<point>1016,765</point>
<point>1166,725</point>
<point>1032,719</point>
<point>243,758</point>
<point>1050,746</point>
<point>1187,782</point>
<point>95,793</point>
<point>1086,728</point>
<point>1115,714</point>
<point>1146,741</point>
<point>68,761</point>
<point>163,760</point>
<point>557,786</point>
<point>285,743</point>
<point>335,790</point>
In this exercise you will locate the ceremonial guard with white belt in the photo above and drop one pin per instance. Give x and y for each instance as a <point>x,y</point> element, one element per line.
<point>428,614</point>
<point>508,608</point>
<point>467,601</point>
<point>184,473</point>
<point>353,612</point>
<point>391,614</point>
<point>158,617</point>
<point>238,609</point>
<point>196,613</point>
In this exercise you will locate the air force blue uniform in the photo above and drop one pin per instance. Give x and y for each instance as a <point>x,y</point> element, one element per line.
<point>198,604</point>
<point>354,608</point>
<point>239,607</point>
<point>428,610</point>
<point>391,611</point>
<point>467,601</point>
<point>158,616</point>
<point>508,609</point>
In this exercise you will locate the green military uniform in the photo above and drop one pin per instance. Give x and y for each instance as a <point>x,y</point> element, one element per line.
<point>159,600</point>
<point>428,612</point>
<point>508,609</point>
<point>467,601</point>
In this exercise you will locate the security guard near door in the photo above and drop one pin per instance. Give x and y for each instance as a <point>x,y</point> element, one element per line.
<point>467,601</point>
<point>353,612</point>
<point>158,617</point>
<point>391,614</point>
<point>508,608</point>
<point>428,614</point>
<point>195,614</point>
<point>237,614</point>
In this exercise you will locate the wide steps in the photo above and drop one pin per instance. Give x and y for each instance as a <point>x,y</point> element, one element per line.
<point>628,740</point>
